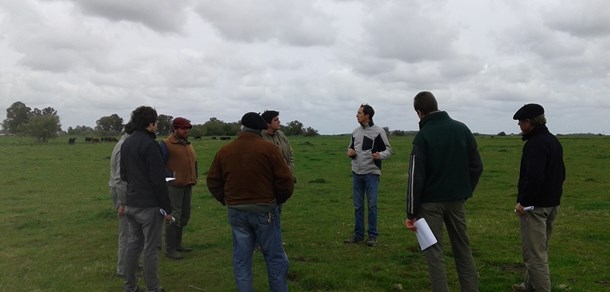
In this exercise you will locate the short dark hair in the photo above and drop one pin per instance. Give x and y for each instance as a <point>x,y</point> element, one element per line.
<point>425,102</point>
<point>268,115</point>
<point>143,116</point>
<point>368,110</point>
<point>129,128</point>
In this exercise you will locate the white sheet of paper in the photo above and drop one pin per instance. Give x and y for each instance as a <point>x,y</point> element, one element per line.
<point>425,237</point>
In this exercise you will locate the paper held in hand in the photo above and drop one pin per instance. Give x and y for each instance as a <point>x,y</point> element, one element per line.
<point>425,237</point>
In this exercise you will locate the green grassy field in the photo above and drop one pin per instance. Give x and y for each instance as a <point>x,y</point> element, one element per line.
<point>59,229</point>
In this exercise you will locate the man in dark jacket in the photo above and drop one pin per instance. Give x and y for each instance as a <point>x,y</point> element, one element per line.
<point>252,178</point>
<point>540,187</point>
<point>146,200</point>
<point>444,169</point>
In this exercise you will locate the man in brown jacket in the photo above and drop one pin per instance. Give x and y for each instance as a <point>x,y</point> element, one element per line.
<point>181,163</point>
<point>250,176</point>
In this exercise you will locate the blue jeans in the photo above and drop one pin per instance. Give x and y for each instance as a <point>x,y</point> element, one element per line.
<point>262,228</point>
<point>365,185</point>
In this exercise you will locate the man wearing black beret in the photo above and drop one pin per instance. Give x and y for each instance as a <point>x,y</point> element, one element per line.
<point>249,176</point>
<point>540,185</point>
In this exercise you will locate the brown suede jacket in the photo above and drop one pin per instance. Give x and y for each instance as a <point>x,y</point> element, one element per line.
<point>249,170</point>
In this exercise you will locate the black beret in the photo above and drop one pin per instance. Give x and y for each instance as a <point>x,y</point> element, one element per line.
<point>253,121</point>
<point>528,111</point>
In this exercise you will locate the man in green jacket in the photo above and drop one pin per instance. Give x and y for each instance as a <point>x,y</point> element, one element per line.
<point>444,169</point>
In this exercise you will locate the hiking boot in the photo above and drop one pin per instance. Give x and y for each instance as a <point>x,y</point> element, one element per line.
<point>520,288</point>
<point>173,254</point>
<point>371,241</point>
<point>353,240</point>
<point>181,248</point>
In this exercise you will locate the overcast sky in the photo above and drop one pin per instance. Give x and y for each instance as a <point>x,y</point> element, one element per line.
<point>314,61</point>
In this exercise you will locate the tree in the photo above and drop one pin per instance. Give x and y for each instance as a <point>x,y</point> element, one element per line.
<point>109,125</point>
<point>293,128</point>
<point>310,132</point>
<point>17,117</point>
<point>80,130</point>
<point>214,127</point>
<point>43,124</point>
<point>164,124</point>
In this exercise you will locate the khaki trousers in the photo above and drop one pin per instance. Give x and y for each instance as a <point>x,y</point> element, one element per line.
<point>536,227</point>
<point>452,215</point>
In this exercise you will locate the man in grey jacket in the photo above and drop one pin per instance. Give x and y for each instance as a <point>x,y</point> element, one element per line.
<point>118,190</point>
<point>369,146</point>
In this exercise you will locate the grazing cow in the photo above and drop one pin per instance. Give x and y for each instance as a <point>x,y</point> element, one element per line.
<point>71,141</point>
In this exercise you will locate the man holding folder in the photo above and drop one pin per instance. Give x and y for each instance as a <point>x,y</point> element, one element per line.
<point>444,169</point>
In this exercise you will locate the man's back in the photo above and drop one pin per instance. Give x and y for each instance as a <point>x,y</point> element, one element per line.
<point>449,150</point>
<point>250,170</point>
<point>143,169</point>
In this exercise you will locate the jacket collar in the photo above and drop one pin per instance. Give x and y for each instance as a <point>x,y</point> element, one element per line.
<point>434,116</point>
<point>148,133</point>
<point>540,129</point>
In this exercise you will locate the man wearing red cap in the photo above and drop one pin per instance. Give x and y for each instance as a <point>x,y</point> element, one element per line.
<point>181,163</point>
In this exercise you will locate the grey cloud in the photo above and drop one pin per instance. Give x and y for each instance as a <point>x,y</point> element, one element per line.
<point>404,33</point>
<point>159,15</point>
<point>50,49</point>
<point>583,18</point>
<point>292,22</point>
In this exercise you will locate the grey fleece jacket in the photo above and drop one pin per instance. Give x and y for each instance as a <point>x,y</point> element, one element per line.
<point>367,140</point>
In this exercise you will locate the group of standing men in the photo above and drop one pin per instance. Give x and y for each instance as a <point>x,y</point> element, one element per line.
<point>151,182</point>
<point>444,170</point>
<point>253,178</point>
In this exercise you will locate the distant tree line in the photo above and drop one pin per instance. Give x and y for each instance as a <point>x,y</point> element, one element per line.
<point>45,124</point>
<point>42,124</point>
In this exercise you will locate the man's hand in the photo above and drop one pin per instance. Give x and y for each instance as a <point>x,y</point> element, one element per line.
<point>376,156</point>
<point>519,210</point>
<point>410,224</point>
<point>121,210</point>
<point>351,152</point>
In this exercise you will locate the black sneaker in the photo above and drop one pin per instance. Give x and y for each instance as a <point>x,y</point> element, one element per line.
<point>371,241</point>
<point>353,240</point>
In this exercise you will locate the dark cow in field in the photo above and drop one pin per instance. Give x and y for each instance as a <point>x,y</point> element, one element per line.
<point>71,141</point>
<point>109,139</point>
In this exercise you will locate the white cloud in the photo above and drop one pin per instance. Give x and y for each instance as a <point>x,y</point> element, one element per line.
<point>314,61</point>
<point>291,22</point>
